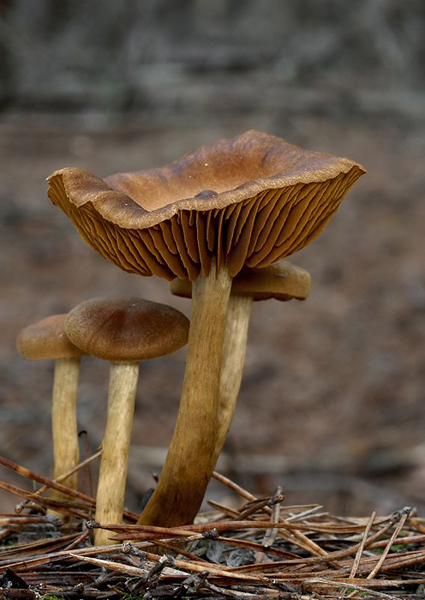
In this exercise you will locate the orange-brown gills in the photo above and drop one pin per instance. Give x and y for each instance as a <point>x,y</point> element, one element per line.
<point>247,201</point>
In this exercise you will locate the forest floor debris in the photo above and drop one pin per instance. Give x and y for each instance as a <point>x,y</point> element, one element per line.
<point>263,549</point>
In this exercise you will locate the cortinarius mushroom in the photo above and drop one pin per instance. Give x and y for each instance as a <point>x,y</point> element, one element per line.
<point>123,331</point>
<point>47,339</point>
<point>247,201</point>
<point>282,281</point>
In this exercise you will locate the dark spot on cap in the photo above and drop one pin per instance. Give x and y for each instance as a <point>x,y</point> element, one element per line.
<point>205,194</point>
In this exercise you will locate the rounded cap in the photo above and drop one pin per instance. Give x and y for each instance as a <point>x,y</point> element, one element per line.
<point>126,329</point>
<point>243,202</point>
<point>47,339</point>
<point>281,281</point>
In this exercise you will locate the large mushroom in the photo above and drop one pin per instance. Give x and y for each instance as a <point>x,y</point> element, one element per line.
<point>47,339</point>
<point>242,202</point>
<point>123,331</point>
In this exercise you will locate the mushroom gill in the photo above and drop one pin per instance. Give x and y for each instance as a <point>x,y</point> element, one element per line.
<point>247,201</point>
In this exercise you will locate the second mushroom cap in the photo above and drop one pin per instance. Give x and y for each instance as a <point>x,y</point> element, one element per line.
<point>126,329</point>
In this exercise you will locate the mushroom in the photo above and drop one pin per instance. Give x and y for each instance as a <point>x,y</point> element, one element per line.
<point>123,331</point>
<point>282,281</point>
<point>47,339</point>
<point>247,201</point>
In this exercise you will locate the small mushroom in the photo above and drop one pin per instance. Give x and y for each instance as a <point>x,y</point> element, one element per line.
<point>47,339</point>
<point>123,331</point>
<point>282,281</point>
<point>242,202</point>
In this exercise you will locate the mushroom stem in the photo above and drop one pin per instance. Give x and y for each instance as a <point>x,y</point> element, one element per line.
<point>191,455</point>
<point>116,443</point>
<point>66,451</point>
<point>233,361</point>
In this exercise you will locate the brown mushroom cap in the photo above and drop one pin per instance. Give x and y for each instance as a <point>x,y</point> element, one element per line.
<point>47,339</point>
<point>247,201</point>
<point>282,281</point>
<point>126,329</point>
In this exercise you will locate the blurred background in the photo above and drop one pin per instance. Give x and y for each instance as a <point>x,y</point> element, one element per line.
<point>332,406</point>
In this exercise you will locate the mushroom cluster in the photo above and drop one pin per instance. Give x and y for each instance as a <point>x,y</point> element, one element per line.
<point>123,331</point>
<point>224,212</point>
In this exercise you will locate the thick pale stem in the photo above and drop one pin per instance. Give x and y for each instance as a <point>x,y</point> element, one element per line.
<point>191,456</point>
<point>66,454</point>
<point>116,444</point>
<point>233,361</point>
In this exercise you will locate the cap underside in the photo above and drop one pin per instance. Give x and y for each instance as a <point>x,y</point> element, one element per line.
<point>258,199</point>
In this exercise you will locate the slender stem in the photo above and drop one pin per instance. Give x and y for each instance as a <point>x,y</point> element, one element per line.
<point>191,455</point>
<point>233,361</point>
<point>116,444</point>
<point>66,453</point>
